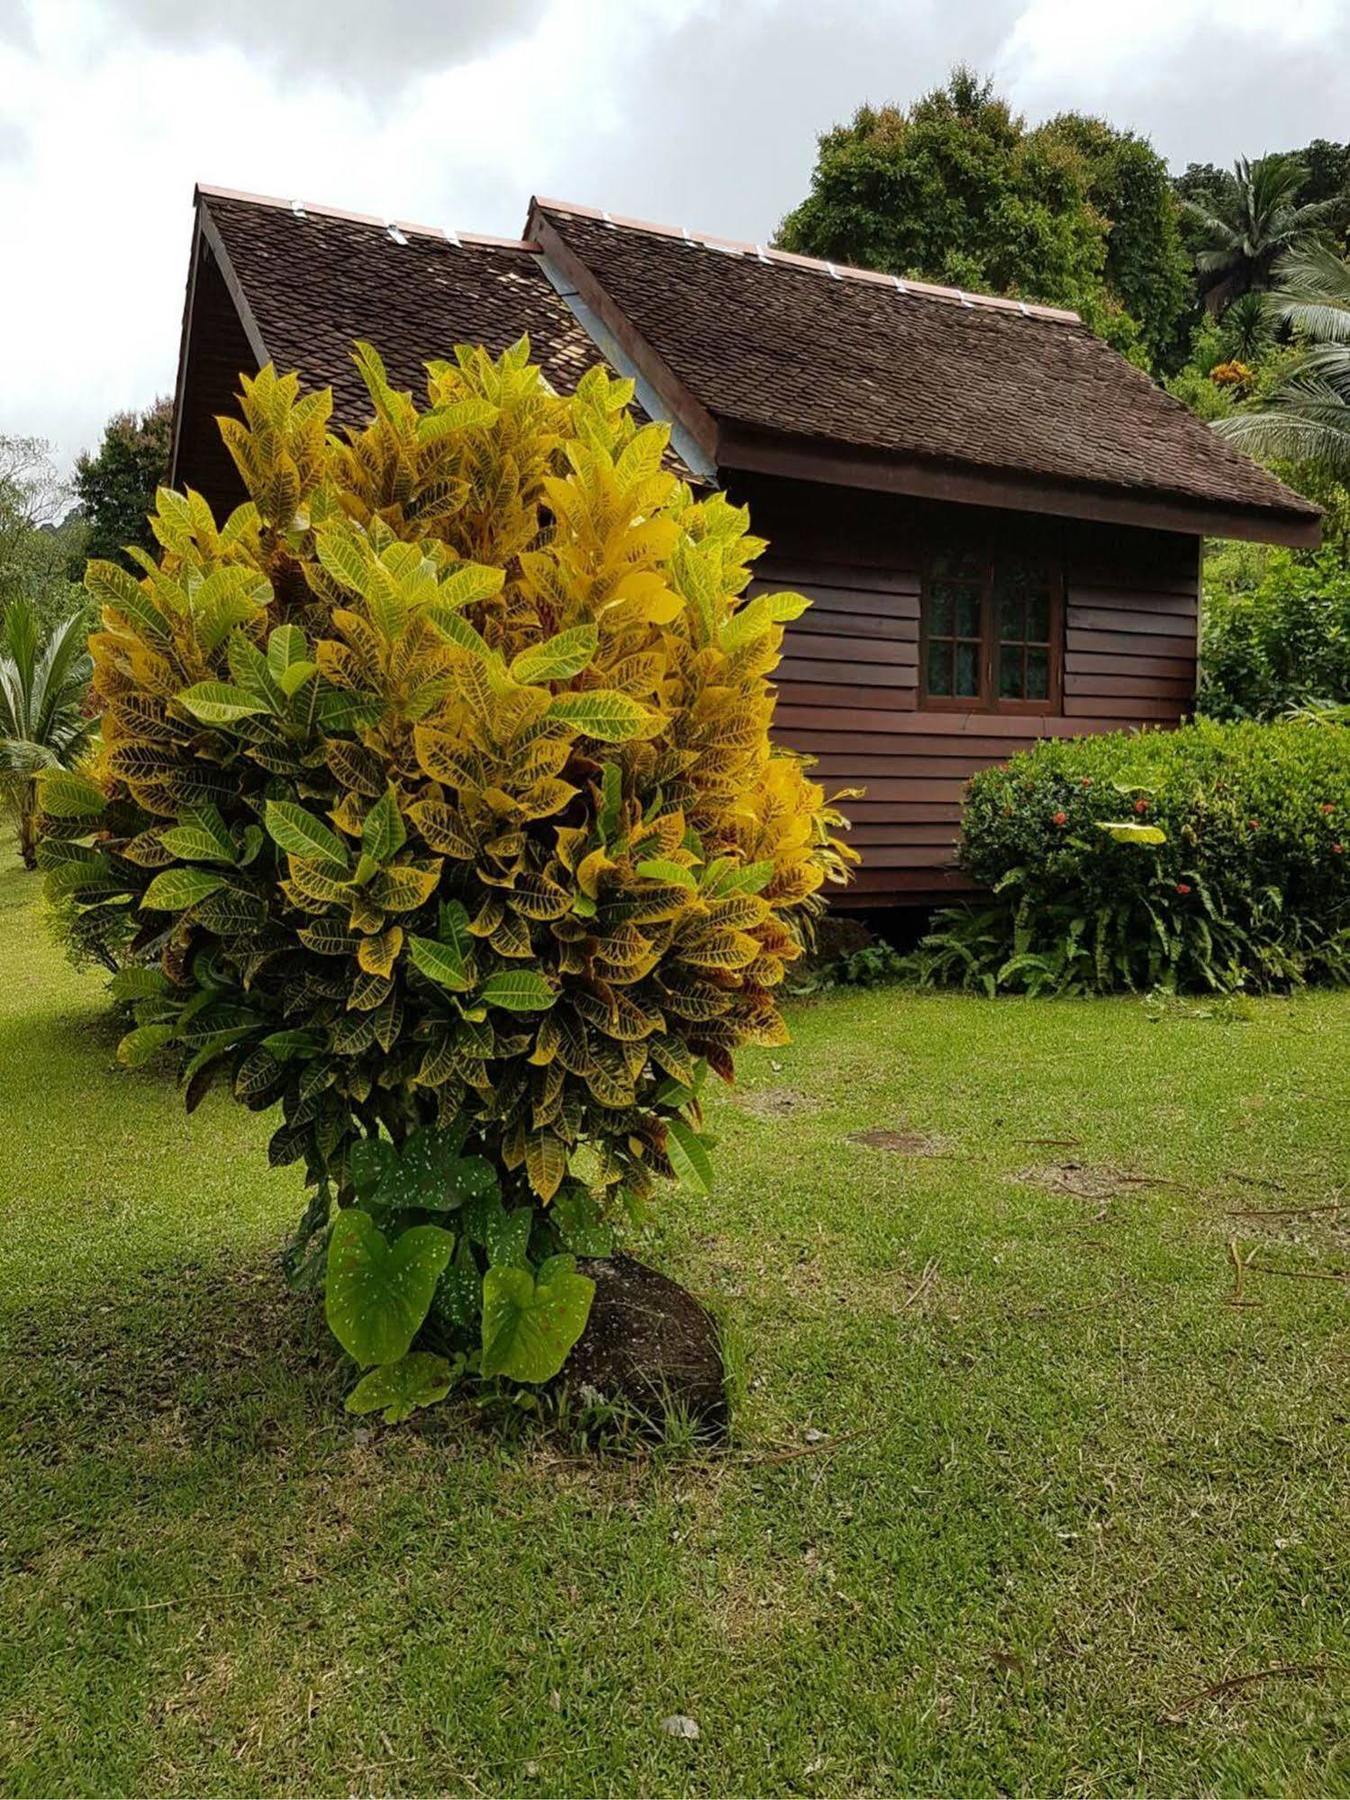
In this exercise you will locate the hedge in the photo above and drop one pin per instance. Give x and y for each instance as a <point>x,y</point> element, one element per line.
<point>1211,857</point>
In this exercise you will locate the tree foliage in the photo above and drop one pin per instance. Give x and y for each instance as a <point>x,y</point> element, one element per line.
<point>117,484</point>
<point>1254,219</point>
<point>1305,416</point>
<point>39,537</point>
<point>439,776</point>
<point>1277,642</point>
<point>957,189</point>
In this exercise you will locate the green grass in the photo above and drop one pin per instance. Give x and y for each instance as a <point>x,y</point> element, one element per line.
<point>1063,1489</point>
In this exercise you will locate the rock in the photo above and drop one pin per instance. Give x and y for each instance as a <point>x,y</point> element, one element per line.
<point>680,1725</point>
<point>650,1343</point>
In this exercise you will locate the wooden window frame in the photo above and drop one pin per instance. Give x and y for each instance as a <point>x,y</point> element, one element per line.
<point>988,699</point>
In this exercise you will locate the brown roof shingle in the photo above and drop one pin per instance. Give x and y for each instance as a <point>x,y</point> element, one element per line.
<point>316,280</point>
<point>775,343</point>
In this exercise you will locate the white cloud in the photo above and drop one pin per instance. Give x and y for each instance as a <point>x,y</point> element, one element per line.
<point>698,111</point>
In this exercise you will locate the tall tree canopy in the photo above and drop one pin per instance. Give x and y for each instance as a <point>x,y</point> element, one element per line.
<point>957,189</point>
<point>1147,268</point>
<point>117,484</point>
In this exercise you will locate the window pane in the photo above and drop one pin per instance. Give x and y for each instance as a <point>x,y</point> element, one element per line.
<point>968,612</point>
<point>940,667</point>
<point>1038,675</point>
<point>1011,617</point>
<point>967,670</point>
<point>1010,672</point>
<point>941,610</point>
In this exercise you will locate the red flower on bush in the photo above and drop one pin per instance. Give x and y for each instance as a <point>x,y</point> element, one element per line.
<point>1338,849</point>
<point>1086,781</point>
<point>1141,805</point>
<point>1327,807</point>
<point>1061,818</point>
<point>1253,824</point>
<point>1183,887</point>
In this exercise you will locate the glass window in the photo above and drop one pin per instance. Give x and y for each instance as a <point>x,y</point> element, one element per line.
<point>988,628</point>
<point>954,609</point>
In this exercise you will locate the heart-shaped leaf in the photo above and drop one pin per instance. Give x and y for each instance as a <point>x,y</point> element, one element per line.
<point>428,1171</point>
<point>530,1323</point>
<point>377,1294</point>
<point>418,1379</point>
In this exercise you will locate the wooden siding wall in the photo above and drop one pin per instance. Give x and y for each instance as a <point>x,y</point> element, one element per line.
<point>219,351</point>
<point>848,681</point>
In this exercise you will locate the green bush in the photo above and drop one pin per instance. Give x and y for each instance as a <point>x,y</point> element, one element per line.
<point>1209,857</point>
<point>1276,641</point>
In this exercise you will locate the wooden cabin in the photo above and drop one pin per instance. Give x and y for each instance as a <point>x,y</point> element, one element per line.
<point>998,518</point>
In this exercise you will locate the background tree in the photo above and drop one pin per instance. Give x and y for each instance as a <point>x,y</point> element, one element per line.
<point>956,189</point>
<point>39,535</point>
<point>116,485</point>
<point>1256,218</point>
<point>44,682</point>
<point>1147,268</point>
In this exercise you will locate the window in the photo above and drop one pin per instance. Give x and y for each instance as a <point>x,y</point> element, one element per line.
<point>990,633</point>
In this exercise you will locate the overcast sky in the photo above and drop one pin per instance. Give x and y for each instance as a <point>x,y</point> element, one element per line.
<point>452,112</point>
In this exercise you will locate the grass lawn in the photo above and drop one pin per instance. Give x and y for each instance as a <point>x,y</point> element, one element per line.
<point>1055,1501</point>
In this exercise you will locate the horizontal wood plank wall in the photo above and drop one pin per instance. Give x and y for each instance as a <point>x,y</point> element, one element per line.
<point>849,678</point>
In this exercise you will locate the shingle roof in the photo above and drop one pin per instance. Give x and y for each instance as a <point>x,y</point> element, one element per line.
<point>786,345</point>
<point>315,280</point>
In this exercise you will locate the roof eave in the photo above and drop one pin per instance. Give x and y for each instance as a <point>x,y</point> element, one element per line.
<point>808,459</point>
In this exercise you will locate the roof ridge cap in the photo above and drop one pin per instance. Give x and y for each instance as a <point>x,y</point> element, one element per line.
<point>705,240</point>
<point>301,208</point>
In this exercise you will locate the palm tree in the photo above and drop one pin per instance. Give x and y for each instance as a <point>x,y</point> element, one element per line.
<point>43,681</point>
<point>1307,417</point>
<point>1256,221</point>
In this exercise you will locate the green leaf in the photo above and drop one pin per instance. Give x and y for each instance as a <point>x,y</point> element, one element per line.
<point>367,1163</point>
<point>558,659</point>
<point>286,649</point>
<point>194,844</point>
<point>470,583</point>
<point>376,1295</point>
<point>64,794</point>
<point>581,1223</point>
<point>135,983</point>
<point>530,1324</point>
<point>440,963</point>
<point>384,834</point>
<point>429,1172</point>
<point>604,713</point>
<point>1125,831</point>
<point>459,631</point>
<point>299,833</point>
<point>689,1156</point>
<point>138,1046</point>
<point>419,1379</point>
<point>174,890</point>
<point>660,868</point>
<point>217,703</point>
<point>518,990</point>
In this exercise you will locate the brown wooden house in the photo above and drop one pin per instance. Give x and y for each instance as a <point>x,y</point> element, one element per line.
<point>999,519</point>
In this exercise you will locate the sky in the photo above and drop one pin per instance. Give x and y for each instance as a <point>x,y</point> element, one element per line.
<point>452,112</point>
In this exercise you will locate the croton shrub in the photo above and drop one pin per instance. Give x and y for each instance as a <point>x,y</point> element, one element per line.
<point>437,778</point>
<point>1211,857</point>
